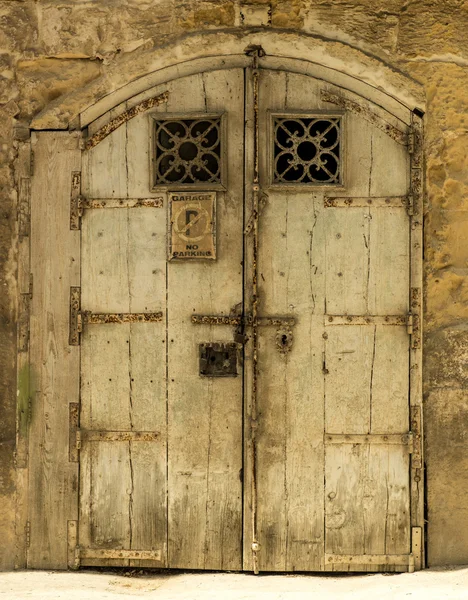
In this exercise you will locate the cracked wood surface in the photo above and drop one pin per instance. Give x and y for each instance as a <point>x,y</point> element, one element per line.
<point>317,260</point>
<point>179,493</point>
<point>54,364</point>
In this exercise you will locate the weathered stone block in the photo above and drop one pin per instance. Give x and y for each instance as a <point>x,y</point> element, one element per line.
<point>446,425</point>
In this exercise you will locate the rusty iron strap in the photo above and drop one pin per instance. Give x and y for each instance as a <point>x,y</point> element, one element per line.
<point>90,435</point>
<point>254,229</point>
<point>396,134</point>
<point>123,118</point>
<point>273,321</point>
<point>101,318</point>
<point>366,319</point>
<point>374,202</point>
<point>89,203</point>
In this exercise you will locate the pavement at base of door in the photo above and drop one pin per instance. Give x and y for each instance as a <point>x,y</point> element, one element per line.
<point>431,584</point>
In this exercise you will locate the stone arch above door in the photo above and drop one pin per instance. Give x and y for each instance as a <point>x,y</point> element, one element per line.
<point>352,88</point>
<point>330,60</point>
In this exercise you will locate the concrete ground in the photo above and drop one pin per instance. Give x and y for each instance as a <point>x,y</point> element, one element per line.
<point>432,584</point>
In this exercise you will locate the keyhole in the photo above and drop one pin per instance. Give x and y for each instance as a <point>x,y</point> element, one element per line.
<point>284,339</point>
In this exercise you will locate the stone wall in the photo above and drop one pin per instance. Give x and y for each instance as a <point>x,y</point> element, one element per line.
<point>51,47</point>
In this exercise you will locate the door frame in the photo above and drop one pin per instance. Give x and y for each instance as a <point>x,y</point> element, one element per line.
<point>48,366</point>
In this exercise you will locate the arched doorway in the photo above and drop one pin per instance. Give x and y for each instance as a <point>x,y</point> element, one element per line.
<point>247,324</point>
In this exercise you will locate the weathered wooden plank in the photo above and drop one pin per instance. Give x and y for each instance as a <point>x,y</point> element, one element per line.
<point>124,381</point>
<point>290,385</point>
<point>367,499</point>
<point>205,415</point>
<point>390,376</point>
<point>347,261</point>
<point>375,359</point>
<point>54,364</point>
<point>389,269</point>
<point>107,167</point>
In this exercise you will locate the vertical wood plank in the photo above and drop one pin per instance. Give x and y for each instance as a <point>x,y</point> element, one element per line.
<point>290,386</point>
<point>205,415</point>
<point>54,364</point>
<point>124,378</point>
<point>24,387</point>
<point>367,499</point>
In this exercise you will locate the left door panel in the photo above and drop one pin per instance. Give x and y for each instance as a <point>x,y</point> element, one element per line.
<point>161,446</point>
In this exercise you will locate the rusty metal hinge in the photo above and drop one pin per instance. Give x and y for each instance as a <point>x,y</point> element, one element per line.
<point>74,439</point>
<point>416,301</point>
<point>416,459</point>
<point>411,140</point>
<point>73,549</point>
<point>416,547</point>
<point>409,323</point>
<point>78,317</point>
<point>75,194</point>
<point>410,205</point>
<point>75,316</point>
<point>27,532</point>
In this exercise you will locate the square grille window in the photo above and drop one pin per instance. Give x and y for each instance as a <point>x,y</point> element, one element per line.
<point>306,149</point>
<point>187,151</point>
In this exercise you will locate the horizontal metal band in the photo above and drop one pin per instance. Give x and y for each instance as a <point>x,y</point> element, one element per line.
<point>401,439</point>
<point>90,435</point>
<point>126,554</point>
<point>366,113</point>
<point>100,318</point>
<point>87,203</point>
<point>370,559</point>
<point>239,320</point>
<point>216,320</point>
<point>366,320</point>
<point>116,122</point>
<point>341,201</point>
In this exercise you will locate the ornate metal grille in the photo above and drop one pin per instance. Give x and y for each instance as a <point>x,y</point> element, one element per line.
<point>187,151</point>
<point>307,150</point>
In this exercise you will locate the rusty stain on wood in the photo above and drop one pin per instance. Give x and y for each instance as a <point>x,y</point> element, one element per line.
<point>367,114</point>
<point>124,117</point>
<point>377,202</point>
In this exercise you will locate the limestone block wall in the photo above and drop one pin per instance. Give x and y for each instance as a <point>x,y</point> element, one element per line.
<point>49,48</point>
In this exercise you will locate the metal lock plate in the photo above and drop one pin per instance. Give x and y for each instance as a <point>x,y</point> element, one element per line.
<point>218,359</point>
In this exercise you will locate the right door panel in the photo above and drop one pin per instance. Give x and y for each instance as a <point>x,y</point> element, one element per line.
<point>332,440</point>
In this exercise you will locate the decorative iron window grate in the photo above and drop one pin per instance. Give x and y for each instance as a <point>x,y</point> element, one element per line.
<point>187,151</point>
<point>306,150</point>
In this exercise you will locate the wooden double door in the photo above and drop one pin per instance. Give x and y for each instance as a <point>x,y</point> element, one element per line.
<point>248,409</point>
